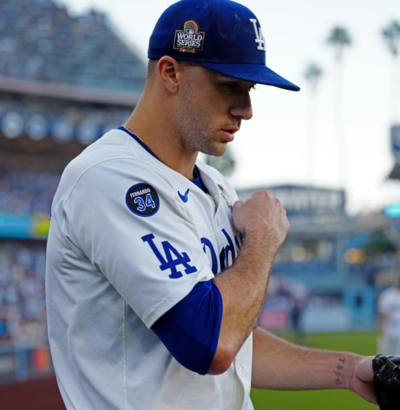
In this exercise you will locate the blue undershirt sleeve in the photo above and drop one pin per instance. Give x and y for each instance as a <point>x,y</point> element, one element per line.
<point>190,330</point>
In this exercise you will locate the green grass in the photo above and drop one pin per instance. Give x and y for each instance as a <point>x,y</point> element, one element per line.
<point>361,343</point>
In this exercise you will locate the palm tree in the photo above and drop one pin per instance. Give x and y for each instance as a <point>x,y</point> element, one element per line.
<point>225,164</point>
<point>313,75</point>
<point>391,36</point>
<point>339,38</point>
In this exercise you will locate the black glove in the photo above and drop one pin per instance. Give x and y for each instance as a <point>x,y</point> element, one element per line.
<point>387,381</point>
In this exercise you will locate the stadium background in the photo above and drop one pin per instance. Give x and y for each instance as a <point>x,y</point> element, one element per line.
<point>64,81</point>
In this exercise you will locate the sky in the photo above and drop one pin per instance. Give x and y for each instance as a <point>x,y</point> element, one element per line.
<point>276,146</point>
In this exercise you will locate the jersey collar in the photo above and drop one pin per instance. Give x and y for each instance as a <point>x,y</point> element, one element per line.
<point>197,181</point>
<point>138,140</point>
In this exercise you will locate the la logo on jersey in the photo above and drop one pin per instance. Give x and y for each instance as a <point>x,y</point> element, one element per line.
<point>190,39</point>
<point>260,40</point>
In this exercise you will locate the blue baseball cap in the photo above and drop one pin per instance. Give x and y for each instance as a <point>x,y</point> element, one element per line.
<point>222,35</point>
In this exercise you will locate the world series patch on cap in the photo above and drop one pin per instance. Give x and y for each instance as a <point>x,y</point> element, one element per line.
<point>190,39</point>
<point>222,35</point>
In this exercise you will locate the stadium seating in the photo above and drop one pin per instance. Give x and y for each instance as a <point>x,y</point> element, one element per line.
<point>22,298</point>
<point>42,44</point>
<point>40,41</point>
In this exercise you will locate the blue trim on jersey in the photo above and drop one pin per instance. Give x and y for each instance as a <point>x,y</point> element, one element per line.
<point>198,181</point>
<point>137,139</point>
<point>190,330</point>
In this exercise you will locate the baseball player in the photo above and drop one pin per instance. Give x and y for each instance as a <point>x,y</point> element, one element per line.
<point>156,273</point>
<point>389,319</point>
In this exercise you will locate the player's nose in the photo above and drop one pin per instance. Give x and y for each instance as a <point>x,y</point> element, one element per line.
<point>242,107</point>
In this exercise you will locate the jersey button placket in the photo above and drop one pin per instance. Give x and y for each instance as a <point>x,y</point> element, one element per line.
<point>241,373</point>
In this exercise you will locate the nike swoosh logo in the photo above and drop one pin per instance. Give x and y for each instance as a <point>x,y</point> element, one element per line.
<point>184,197</point>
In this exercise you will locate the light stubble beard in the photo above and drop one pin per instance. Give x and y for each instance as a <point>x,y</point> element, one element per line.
<point>194,132</point>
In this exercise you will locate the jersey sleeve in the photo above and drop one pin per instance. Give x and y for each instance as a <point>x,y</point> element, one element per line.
<point>190,330</point>
<point>129,223</point>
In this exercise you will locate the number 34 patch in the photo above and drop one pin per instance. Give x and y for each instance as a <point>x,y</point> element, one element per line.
<point>142,199</point>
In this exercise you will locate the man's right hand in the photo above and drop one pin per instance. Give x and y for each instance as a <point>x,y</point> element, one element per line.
<point>263,221</point>
<point>264,214</point>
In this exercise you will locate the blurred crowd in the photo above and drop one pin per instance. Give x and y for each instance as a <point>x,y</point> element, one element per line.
<point>22,296</point>
<point>39,40</point>
<point>27,191</point>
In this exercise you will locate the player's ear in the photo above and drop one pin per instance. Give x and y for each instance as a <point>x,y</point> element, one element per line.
<point>170,73</point>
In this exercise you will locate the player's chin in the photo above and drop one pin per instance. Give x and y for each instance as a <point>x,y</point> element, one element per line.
<point>218,150</point>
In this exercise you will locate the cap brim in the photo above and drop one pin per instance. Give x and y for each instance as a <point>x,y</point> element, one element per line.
<point>255,73</point>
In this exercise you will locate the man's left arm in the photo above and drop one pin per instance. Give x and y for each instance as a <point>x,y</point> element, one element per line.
<point>279,365</point>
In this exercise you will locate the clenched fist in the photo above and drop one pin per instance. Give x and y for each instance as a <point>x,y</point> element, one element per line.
<point>264,214</point>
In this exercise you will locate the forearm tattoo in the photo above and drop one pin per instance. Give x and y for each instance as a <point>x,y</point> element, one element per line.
<point>339,372</point>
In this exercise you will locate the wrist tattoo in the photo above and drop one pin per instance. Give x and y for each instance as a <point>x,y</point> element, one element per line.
<point>339,372</point>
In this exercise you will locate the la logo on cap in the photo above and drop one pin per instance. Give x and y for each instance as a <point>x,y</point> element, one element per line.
<point>260,40</point>
<point>190,39</point>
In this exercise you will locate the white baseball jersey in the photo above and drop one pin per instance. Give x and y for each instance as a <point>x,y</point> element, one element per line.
<point>389,304</point>
<point>129,238</point>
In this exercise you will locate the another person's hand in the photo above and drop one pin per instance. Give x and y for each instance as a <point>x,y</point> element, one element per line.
<point>361,379</point>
